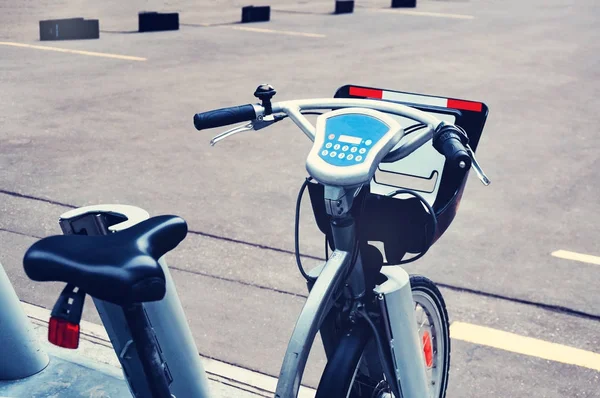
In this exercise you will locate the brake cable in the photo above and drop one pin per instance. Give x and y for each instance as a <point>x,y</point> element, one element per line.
<point>297,231</point>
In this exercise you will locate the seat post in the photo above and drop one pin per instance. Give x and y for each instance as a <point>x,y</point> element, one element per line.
<point>147,349</point>
<point>175,342</point>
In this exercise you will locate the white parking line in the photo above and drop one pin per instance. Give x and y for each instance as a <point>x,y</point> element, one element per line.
<point>276,32</point>
<point>524,345</point>
<point>66,50</point>
<point>422,13</point>
<point>584,258</point>
<point>260,30</point>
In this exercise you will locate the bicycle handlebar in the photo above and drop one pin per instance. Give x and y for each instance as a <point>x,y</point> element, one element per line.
<point>452,149</point>
<point>224,116</point>
<point>451,143</point>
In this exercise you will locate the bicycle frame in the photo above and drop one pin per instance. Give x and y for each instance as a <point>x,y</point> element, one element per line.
<point>397,310</point>
<point>177,348</point>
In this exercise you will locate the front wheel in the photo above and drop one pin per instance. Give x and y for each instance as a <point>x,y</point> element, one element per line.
<point>351,371</point>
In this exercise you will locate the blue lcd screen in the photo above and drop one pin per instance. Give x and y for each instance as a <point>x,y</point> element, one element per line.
<point>349,137</point>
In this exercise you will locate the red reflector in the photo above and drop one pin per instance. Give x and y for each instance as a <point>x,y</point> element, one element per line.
<point>63,333</point>
<point>465,105</point>
<point>427,349</point>
<point>366,92</point>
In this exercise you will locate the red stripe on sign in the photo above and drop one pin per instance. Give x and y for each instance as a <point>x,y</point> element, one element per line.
<point>465,105</point>
<point>366,92</point>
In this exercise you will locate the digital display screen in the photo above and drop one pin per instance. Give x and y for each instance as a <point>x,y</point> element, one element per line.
<point>350,140</point>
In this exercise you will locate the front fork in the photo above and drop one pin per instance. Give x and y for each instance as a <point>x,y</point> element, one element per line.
<point>402,356</point>
<point>399,349</point>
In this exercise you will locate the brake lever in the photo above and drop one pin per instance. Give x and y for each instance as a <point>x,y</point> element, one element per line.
<point>475,165</point>
<point>230,132</point>
<point>257,124</point>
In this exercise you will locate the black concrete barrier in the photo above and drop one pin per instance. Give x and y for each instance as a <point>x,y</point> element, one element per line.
<point>69,29</point>
<point>344,6</point>
<point>256,14</point>
<point>404,3</point>
<point>150,21</point>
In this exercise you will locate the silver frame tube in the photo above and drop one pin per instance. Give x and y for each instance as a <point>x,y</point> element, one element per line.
<point>294,113</point>
<point>315,309</point>
<point>397,305</point>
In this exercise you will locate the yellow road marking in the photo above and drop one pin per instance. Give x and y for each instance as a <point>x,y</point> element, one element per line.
<point>277,32</point>
<point>424,13</point>
<point>524,345</point>
<point>66,50</point>
<point>584,258</point>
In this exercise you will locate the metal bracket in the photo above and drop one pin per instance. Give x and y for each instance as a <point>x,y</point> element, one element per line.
<point>338,200</point>
<point>101,219</point>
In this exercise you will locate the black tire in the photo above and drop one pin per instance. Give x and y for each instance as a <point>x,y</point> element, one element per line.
<point>342,377</point>
<point>426,287</point>
<point>340,369</point>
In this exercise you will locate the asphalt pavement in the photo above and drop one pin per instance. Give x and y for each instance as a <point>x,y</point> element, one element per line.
<point>79,129</point>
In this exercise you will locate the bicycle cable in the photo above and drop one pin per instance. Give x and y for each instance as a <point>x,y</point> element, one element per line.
<point>297,231</point>
<point>413,128</point>
<point>387,369</point>
<point>433,219</point>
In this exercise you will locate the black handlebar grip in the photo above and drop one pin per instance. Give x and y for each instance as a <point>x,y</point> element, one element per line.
<point>448,142</point>
<point>224,116</point>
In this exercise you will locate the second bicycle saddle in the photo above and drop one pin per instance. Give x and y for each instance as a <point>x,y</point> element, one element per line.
<point>121,268</point>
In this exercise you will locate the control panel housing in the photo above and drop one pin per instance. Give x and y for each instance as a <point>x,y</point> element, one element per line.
<point>349,145</point>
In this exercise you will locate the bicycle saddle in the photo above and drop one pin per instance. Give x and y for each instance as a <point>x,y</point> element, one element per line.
<point>120,268</point>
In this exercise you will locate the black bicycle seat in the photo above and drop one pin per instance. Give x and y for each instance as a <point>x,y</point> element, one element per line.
<point>121,268</point>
